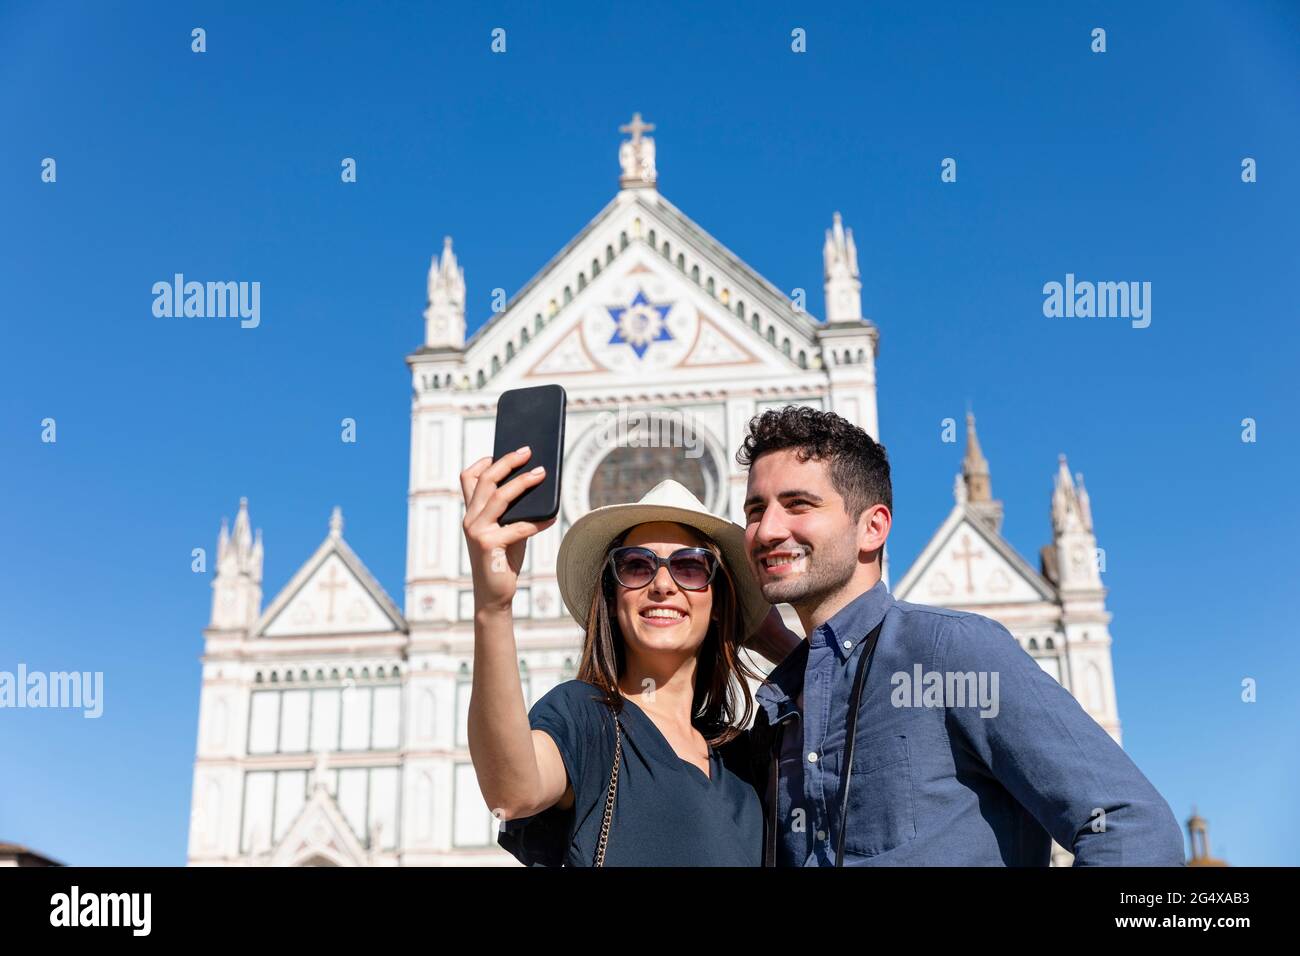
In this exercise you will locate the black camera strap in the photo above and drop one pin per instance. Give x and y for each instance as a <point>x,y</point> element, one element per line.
<point>850,736</point>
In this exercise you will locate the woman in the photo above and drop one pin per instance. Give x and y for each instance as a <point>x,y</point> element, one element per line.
<point>641,760</point>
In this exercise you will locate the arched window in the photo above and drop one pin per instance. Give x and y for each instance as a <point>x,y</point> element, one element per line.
<point>667,250</point>
<point>496,366</point>
<point>510,351</point>
<point>568,295</point>
<point>803,359</point>
<point>708,286</point>
<point>595,268</point>
<point>523,336</point>
<point>609,254</point>
<point>538,322</point>
<point>771,334</point>
<point>582,281</point>
<point>622,241</point>
<point>785,347</point>
<point>695,274</point>
<point>1033,643</point>
<point>754,322</point>
<point>480,378</point>
<point>652,238</point>
<point>740,308</point>
<point>1049,644</point>
<point>681,262</point>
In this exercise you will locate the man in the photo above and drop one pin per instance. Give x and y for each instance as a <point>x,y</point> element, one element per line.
<point>987,776</point>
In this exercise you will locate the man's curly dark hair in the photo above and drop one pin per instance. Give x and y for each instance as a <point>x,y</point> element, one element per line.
<point>859,467</point>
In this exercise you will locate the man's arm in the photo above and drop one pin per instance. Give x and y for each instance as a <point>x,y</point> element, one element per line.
<point>773,640</point>
<point>1052,757</point>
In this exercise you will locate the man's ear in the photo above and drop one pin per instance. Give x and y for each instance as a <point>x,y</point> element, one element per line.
<point>873,528</point>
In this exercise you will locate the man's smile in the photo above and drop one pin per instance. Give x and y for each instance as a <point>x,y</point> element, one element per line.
<point>783,562</point>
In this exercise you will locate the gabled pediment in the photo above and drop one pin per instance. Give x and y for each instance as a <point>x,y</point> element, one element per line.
<point>332,593</point>
<point>559,324</point>
<point>642,320</point>
<point>967,564</point>
<point>319,836</point>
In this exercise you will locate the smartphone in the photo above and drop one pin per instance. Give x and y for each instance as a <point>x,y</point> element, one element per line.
<point>533,417</point>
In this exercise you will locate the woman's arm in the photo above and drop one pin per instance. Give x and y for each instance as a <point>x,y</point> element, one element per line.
<point>519,770</point>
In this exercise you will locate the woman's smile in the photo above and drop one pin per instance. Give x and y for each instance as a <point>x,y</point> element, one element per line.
<point>663,615</point>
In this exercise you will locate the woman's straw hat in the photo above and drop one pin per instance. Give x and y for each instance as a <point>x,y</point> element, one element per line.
<point>585,546</point>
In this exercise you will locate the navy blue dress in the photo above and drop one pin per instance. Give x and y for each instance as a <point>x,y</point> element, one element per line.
<point>666,813</point>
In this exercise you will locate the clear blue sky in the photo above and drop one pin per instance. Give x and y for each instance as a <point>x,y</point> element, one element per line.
<point>1118,166</point>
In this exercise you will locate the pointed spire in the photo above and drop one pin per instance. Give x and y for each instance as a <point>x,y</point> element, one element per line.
<point>840,270</point>
<point>1085,503</point>
<point>973,487</point>
<point>242,535</point>
<point>975,467</point>
<point>1079,561</point>
<point>445,313</point>
<point>1070,510</point>
<point>320,772</point>
<point>336,522</point>
<point>255,559</point>
<point>839,254</point>
<point>237,586</point>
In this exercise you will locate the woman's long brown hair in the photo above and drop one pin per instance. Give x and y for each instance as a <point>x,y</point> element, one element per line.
<point>721,676</point>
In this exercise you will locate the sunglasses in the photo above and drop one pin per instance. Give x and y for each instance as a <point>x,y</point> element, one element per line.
<point>691,568</point>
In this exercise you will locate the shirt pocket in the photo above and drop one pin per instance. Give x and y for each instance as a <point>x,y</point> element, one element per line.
<point>881,815</point>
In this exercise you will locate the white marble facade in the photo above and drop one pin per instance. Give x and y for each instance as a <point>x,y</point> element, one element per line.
<point>332,723</point>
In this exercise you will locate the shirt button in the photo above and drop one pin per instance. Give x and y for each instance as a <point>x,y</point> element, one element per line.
<point>821,834</point>
<point>812,757</point>
<point>848,645</point>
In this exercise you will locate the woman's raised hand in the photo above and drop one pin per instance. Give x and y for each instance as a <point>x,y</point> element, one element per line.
<point>496,552</point>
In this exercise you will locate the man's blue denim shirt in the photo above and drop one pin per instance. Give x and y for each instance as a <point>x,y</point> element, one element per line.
<point>938,781</point>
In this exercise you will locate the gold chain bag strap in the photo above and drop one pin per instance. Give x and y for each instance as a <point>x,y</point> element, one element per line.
<point>609,797</point>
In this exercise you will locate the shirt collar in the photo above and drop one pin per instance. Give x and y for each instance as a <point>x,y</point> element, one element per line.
<point>850,624</point>
<point>854,621</point>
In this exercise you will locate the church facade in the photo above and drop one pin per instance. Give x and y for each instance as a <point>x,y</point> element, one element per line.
<point>332,727</point>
